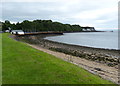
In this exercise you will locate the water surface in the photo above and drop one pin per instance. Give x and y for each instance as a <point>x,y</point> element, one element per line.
<point>107,40</point>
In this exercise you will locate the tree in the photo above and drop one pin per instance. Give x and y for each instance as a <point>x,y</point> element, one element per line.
<point>6,25</point>
<point>41,25</point>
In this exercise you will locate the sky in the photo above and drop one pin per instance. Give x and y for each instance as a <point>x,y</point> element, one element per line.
<point>101,14</point>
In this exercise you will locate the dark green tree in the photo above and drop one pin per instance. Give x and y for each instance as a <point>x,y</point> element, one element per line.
<point>41,25</point>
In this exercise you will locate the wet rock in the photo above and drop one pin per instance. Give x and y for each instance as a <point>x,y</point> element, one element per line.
<point>98,69</point>
<point>110,64</point>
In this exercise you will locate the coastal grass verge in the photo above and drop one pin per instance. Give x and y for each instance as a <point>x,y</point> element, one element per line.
<point>23,64</point>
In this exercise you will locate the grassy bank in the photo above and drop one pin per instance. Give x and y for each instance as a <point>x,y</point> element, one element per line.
<point>25,65</point>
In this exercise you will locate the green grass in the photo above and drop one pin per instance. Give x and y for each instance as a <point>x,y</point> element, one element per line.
<point>25,65</point>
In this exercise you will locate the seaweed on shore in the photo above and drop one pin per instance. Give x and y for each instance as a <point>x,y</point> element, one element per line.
<point>99,58</point>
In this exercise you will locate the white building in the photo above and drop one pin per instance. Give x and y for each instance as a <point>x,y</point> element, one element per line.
<point>17,32</point>
<point>7,31</point>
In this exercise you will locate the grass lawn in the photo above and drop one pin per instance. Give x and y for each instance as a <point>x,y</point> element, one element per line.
<point>25,65</point>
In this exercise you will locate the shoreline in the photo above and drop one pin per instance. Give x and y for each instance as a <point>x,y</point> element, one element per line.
<point>98,68</point>
<point>94,48</point>
<point>82,45</point>
<point>86,46</point>
<point>105,56</point>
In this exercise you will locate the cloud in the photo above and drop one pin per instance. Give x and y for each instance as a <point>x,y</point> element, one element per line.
<point>97,13</point>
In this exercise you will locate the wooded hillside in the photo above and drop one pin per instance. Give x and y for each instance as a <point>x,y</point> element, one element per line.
<point>41,25</point>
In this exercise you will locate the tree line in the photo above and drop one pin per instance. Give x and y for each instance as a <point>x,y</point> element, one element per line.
<point>40,25</point>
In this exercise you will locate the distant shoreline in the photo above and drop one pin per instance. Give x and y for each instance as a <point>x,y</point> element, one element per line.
<point>84,31</point>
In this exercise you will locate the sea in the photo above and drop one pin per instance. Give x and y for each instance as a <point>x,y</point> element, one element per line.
<point>106,40</point>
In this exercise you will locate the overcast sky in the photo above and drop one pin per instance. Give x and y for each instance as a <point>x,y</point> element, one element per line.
<point>102,14</point>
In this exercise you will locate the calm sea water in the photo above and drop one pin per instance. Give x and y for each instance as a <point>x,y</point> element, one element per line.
<point>107,40</point>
